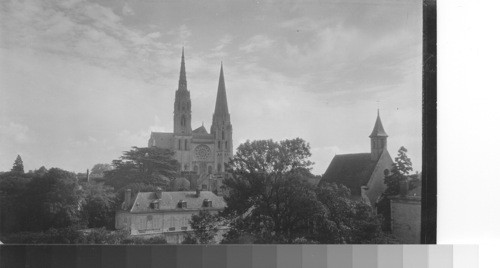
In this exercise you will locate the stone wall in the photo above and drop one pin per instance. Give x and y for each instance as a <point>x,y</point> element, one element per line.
<point>406,219</point>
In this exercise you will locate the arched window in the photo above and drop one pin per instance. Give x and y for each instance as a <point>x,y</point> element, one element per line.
<point>179,145</point>
<point>186,145</point>
<point>196,168</point>
<point>226,145</point>
<point>209,169</point>
<point>219,144</point>
<point>219,167</point>
<point>223,136</point>
<point>183,120</point>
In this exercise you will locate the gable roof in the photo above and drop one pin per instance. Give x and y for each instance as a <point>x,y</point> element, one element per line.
<point>201,130</point>
<point>351,170</point>
<point>169,200</point>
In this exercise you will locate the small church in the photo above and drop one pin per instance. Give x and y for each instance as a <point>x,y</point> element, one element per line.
<point>201,154</point>
<point>363,173</point>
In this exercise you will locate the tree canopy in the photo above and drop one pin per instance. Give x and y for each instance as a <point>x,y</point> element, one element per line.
<point>271,201</point>
<point>149,165</point>
<point>18,166</point>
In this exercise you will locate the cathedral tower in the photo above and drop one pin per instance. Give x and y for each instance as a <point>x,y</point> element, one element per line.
<point>378,139</point>
<point>221,127</point>
<point>182,104</point>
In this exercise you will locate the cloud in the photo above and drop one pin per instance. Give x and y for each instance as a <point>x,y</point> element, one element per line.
<point>13,132</point>
<point>127,10</point>
<point>256,43</point>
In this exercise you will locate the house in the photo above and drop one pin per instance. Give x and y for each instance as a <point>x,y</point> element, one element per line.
<point>363,173</point>
<point>165,213</point>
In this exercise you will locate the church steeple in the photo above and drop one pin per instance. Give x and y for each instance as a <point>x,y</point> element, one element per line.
<point>182,104</point>
<point>378,138</point>
<point>221,102</point>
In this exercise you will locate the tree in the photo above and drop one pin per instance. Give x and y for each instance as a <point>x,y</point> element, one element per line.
<point>150,165</point>
<point>98,170</point>
<point>400,171</point>
<point>270,199</point>
<point>205,227</point>
<point>53,200</point>
<point>98,206</point>
<point>18,166</point>
<point>12,201</point>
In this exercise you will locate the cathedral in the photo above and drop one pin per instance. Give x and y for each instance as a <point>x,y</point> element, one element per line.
<point>201,154</point>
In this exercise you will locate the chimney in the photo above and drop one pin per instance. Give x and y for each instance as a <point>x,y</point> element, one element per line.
<point>158,192</point>
<point>403,187</point>
<point>128,197</point>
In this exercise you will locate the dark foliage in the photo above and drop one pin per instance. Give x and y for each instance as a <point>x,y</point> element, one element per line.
<point>18,166</point>
<point>150,165</point>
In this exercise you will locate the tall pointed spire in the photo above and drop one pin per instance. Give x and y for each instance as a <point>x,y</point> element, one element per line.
<point>221,102</point>
<point>182,76</point>
<point>378,129</point>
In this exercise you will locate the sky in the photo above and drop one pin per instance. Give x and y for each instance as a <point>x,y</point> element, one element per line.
<point>83,81</point>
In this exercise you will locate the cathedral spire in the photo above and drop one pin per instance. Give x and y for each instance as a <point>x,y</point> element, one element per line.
<point>221,102</point>
<point>182,76</point>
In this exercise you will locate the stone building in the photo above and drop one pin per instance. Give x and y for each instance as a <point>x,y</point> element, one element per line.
<point>363,173</point>
<point>201,154</point>
<point>165,213</point>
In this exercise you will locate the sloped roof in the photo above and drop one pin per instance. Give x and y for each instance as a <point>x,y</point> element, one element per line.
<point>201,130</point>
<point>351,170</point>
<point>169,200</point>
<point>161,139</point>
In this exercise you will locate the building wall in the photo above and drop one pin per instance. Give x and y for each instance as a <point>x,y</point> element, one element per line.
<point>376,185</point>
<point>155,222</point>
<point>406,219</point>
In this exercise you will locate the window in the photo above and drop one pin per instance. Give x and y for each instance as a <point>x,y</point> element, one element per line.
<point>219,167</point>
<point>207,203</point>
<point>223,136</point>
<point>186,167</point>
<point>183,120</point>
<point>179,106</point>
<point>179,144</point>
<point>209,169</point>
<point>226,145</point>
<point>186,145</point>
<point>196,169</point>
<point>204,187</point>
<point>219,145</point>
<point>182,204</point>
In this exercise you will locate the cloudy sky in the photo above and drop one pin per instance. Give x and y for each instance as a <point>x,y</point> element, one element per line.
<point>82,81</point>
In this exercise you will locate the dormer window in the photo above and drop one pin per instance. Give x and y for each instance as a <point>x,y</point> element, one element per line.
<point>207,203</point>
<point>154,205</point>
<point>182,204</point>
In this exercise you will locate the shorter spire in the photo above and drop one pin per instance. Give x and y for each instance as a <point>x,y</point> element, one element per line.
<point>378,129</point>
<point>182,76</point>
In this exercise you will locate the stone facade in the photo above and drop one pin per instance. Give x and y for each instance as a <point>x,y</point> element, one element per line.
<point>199,153</point>
<point>165,213</point>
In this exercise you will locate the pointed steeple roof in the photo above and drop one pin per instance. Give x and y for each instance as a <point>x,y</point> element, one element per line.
<point>221,102</point>
<point>378,129</point>
<point>182,76</point>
